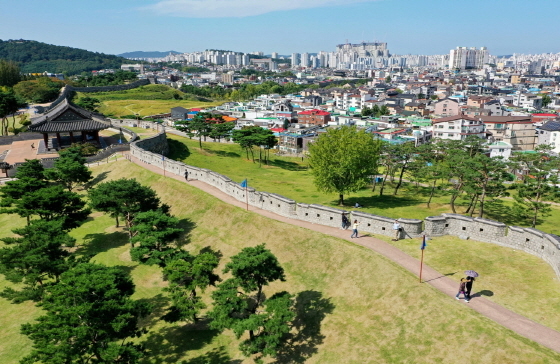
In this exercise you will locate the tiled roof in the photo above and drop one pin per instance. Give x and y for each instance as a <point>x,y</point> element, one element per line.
<point>66,117</point>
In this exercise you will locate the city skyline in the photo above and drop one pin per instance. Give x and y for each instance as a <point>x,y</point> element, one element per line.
<point>408,26</point>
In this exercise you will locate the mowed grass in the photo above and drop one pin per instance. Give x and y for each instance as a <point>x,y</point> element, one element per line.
<point>512,278</point>
<point>148,107</point>
<point>290,177</point>
<point>361,308</point>
<point>144,101</point>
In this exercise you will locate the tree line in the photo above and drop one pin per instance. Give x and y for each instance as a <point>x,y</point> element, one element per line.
<point>89,315</point>
<point>36,57</point>
<point>345,160</point>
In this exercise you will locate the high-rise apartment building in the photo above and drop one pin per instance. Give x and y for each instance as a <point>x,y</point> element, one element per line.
<point>466,58</point>
<point>295,59</point>
<point>274,55</point>
<point>305,59</point>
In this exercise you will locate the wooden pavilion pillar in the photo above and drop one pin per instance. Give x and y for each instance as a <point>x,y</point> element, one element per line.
<point>96,136</point>
<point>46,139</point>
<point>83,136</point>
<point>59,140</point>
<point>72,138</point>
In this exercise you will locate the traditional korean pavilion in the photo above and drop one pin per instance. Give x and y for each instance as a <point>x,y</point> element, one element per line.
<point>66,118</point>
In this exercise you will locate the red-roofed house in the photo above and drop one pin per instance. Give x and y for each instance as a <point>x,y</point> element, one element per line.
<point>314,117</point>
<point>543,117</point>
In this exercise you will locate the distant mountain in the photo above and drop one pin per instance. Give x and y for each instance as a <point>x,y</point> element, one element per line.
<point>37,57</point>
<point>142,54</point>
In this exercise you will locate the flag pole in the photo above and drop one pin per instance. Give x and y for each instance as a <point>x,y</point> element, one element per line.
<point>421,264</point>
<point>422,247</point>
<point>246,197</point>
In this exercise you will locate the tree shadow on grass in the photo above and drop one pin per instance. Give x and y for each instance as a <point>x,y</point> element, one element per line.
<point>97,179</point>
<point>188,226</point>
<point>98,243</point>
<point>159,305</point>
<point>290,166</point>
<point>381,202</point>
<point>497,210</point>
<point>301,344</point>
<point>177,150</point>
<point>223,153</point>
<point>216,356</point>
<point>170,344</point>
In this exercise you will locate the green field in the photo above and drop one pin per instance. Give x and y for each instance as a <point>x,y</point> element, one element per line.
<point>144,101</point>
<point>289,177</point>
<point>361,308</point>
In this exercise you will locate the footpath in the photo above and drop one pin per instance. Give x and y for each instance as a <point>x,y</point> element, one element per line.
<point>501,315</point>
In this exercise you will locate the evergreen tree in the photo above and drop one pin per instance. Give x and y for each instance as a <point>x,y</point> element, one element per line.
<point>153,234</point>
<point>89,318</point>
<point>36,258</point>
<point>70,169</point>
<point>239,304</point>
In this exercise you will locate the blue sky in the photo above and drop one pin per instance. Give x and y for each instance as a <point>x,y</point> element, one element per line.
<point>285,26</point>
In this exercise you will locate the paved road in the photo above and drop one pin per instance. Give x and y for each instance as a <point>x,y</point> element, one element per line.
<point>509,319</point>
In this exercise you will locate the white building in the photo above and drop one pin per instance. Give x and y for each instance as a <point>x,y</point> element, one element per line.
<point>462,58</point>
<point>458,127</point>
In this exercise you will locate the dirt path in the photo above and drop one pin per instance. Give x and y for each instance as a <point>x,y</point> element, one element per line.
<point>509,319</point>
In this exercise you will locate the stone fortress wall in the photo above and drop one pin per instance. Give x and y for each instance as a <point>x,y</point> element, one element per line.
<point>543,245</point>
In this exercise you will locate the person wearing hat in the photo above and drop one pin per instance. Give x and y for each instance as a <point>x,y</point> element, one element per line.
<point>462,289</point>
<point>397,230</point>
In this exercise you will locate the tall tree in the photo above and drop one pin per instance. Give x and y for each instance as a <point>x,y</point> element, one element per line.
<point>36,257</point>
<point>126,198</point>
<point>9,73</point>
<point>185,277</point>
<point>343,160</point>
<point>406,153</point>
<point>54,203</point>
<point>9,104</point>
<point>539,182</point>
<point>239,304</point>
<point>89,318</point>
<point>29,178</point>
<point>221,130</point>
<point>70,169</point>
<point>153,235</point>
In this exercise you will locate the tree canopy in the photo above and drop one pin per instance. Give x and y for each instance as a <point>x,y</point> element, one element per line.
<point>343,160</point>
<point>89,318</point>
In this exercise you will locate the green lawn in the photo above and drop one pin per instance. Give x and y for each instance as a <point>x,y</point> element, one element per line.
<point>289,177</point>
<point>144,101</point>
<point>361,308</point>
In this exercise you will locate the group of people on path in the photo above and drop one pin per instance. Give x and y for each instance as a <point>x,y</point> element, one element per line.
<point>465,288</point>
<point>346,224</point>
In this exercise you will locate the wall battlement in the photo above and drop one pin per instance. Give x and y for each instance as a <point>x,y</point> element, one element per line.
<point>543,245</point>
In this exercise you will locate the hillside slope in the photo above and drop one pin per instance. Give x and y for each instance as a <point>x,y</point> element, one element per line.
<point>35,57</point>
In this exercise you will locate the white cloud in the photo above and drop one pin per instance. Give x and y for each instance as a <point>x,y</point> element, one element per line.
<point>236,8</point>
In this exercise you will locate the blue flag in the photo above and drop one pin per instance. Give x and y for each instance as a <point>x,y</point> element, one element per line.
<point>424,245</point>
<point>244,183</point>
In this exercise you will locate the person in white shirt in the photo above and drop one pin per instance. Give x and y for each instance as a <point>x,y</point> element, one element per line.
<point>397,229</point>
<point>355,229</point>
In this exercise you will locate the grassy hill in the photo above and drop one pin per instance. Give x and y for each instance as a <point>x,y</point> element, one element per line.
<point>145,100</point>
<point>354,306</point>
<point>37,57</point>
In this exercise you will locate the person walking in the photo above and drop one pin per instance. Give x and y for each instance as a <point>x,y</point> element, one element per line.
<point>345,221</point>
<point>32,145</point>
<point>397,230</point>
<point>468,288</point>
<point>186,175</point>
<point>462,289</point>
<point>355,229</point>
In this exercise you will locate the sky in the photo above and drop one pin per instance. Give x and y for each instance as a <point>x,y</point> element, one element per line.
<point>285,26</point>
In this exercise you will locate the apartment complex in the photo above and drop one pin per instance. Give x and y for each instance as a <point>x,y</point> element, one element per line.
<point>468,58</point>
